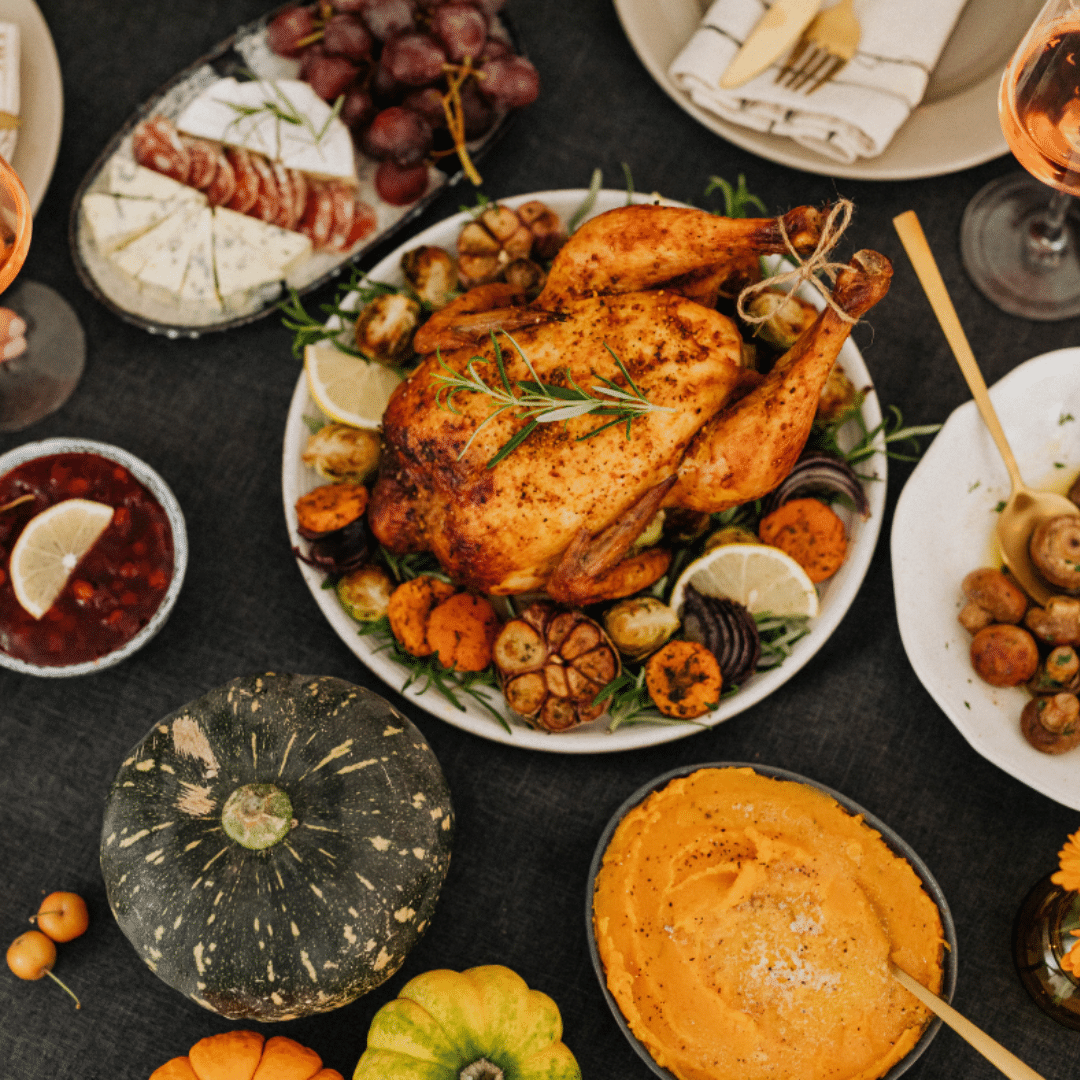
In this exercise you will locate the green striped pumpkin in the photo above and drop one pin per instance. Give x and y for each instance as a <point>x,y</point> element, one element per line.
<point>276,847</point>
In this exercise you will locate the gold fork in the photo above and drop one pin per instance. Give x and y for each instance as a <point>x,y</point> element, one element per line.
<point>827,44</point>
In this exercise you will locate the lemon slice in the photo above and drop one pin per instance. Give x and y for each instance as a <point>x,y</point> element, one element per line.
<point>760,577</point>
<point>346,388</point>
<point>50,547</point>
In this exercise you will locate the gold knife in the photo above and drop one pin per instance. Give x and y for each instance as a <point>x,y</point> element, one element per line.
<point>776,31</point>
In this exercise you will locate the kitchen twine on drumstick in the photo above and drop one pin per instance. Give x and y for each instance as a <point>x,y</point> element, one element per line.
<point>804,271</point>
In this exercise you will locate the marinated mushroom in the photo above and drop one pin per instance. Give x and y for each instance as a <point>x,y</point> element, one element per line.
<point>552,664</point>
<point>431,273</point>
<point>1051,724</point>
<point>1059,671</point>
<point>364,594</point>
<point>384,329</point>
<point>1004,654</point>
<point>341,452</point>
<point>1055,551</point>
<point>640,625</point>
<point>996,593</point>
<point>1058,623</point>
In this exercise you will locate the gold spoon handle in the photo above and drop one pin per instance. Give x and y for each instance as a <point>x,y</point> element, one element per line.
<point>993,1051</point>
<point>915,244</point>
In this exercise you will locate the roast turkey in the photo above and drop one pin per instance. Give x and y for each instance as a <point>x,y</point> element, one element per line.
<point>560,513</point>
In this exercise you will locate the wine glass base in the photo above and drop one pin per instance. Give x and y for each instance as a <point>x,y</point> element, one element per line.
<point>1045,929</point>
<point>996,249</point>
<point>39,381</point>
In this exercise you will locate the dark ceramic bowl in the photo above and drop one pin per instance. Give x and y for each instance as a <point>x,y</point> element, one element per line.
<point>895,843</point>
<point>166,499</point>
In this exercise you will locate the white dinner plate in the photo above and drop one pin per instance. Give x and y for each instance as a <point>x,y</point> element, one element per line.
<point>954,127</point>
<point>41,99</point>
<point>836,594</point>
<point>944,527</point>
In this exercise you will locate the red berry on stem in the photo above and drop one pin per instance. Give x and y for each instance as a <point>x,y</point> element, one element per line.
<point>400,186</point>
<point>511,81</point>
<point>345,35</point>
<point>398,134</point>
<point>461,29</point>
<point>330,76</point>
<point>285,32</point>
<point>414,59</point>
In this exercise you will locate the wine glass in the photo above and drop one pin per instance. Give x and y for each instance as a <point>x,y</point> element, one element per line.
<point>1020,242</point>
<point>42,349</point>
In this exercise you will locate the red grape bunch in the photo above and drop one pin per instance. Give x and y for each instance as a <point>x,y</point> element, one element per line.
<point>417,78</point>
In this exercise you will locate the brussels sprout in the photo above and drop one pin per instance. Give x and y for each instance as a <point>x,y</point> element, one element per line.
<point>432,274</point>
<point>365,593</point>
<point>384,330</point>
<point>788,317</point>
<point>838,395</point>
<point>339,452</point>
<point>731,534</point>
<point>639,626</point>
<point>652,534</point>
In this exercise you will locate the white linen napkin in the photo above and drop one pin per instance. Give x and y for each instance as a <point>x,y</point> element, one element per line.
<point>855,114</point>
<point>9,84</point>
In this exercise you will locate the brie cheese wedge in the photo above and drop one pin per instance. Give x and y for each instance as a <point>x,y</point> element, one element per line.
<point>283,119</point>
<point>249,252</point>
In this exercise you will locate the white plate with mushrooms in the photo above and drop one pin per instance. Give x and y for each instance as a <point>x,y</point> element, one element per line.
<point>944,527</point>
<point>836,594</point>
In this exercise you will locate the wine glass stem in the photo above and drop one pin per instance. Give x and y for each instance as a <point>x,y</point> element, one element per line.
<point>1048,237</point>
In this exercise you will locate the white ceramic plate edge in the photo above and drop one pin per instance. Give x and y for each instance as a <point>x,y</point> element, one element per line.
<point>938,138</point>
<point>837,594</point>
<point>42,99</point>
<point>943,528</point>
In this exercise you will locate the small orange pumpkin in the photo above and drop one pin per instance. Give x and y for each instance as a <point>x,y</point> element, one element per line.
<point>243,1055</point>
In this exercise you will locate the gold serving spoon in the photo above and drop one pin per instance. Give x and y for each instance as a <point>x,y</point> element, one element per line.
<point>1025,508</point>
<point>993,1051</point>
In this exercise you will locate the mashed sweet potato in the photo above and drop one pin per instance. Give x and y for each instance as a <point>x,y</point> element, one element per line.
<point>746,924</point>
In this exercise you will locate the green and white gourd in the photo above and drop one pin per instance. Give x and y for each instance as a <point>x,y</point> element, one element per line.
<point>276,847</point>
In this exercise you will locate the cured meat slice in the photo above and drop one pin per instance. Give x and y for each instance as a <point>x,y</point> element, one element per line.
<point>204,161</point>
<point>318,219</point>
<point>268,200</point>
<point>247,179</point>
<point>223,187</point>
<point>364,223</point>
<point>344,211</point>
<point>300,196</point>
<point>156,145</point>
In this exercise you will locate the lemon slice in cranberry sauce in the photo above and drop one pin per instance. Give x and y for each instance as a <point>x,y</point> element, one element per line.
<point>50,547</point>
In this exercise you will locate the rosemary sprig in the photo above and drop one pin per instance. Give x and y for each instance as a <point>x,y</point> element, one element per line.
<point>541,402</point>
<point>737,199</point>
<point>426,673</point>
<point>283,110</point>
<point>891,428</point>
<point>413,564</point>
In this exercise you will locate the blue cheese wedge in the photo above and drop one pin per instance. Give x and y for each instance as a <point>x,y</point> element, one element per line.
<point>134,181</point>
<point>159,257</point>
<point>113,220</point>
<point>284,119</point>
<point>249,253</point>
<point>200,285</point>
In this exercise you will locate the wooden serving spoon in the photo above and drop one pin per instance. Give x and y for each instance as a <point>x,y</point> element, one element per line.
<point>1025,508</point>
<point>993,1051</point>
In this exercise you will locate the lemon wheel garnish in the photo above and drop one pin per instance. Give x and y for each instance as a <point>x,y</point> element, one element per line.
<point>347,388</point>
<point>50,547</point>
<point>760,577</point>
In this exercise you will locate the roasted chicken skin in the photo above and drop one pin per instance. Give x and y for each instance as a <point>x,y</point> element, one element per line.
<point>560,513</point>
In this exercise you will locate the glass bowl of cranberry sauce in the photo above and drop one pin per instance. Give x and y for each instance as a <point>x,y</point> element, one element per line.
<point>124,587</point>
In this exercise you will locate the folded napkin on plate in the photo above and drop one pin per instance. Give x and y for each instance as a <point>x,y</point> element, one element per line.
<point>852,116</point>
<point>9,84</point>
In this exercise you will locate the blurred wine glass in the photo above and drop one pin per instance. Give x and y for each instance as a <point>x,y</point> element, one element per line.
<point>42,345</point>
<point>1020,241</point>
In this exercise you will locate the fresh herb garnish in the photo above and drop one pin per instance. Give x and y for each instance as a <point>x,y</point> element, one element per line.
<point>541,402</point>
<point>737,199</point>
<point>891,428</point>
<point>427,673</point>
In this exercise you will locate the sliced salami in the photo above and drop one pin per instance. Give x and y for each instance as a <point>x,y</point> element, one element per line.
<point>204,161</point>
<point>364,223</point>
<point>268,202</point>
<point>247,179</point>
<point>156,145</point>
<point>344,199</point>
<point>318,219</point>
<point>223,187</point>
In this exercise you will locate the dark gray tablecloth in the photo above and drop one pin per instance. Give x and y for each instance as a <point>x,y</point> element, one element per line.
<point>209,415</point>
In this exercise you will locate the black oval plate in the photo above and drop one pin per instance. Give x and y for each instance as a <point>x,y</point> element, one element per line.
<point>899,847</point>
<point>243,52</point>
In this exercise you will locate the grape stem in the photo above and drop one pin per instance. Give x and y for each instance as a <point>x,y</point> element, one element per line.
<point>456,74</point>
